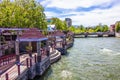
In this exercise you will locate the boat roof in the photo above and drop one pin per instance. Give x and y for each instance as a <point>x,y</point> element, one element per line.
<point>33,34</point>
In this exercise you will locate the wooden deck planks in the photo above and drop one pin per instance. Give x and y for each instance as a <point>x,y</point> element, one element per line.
<point>13,71</point>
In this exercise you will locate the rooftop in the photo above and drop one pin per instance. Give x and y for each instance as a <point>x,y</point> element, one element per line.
<point>33,34</point>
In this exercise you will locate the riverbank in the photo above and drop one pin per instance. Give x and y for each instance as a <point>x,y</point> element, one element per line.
<point>88,59</point>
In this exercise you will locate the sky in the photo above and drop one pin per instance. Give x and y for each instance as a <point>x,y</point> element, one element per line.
<point>83,12</point>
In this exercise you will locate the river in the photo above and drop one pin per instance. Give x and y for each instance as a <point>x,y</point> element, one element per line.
<point>88,59</point>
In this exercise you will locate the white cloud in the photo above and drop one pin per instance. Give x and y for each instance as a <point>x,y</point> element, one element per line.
<point>45,2</point>
<point>73,4</point>
<point>93,17</point>
<point>50,14</point>
<point>108,16</point>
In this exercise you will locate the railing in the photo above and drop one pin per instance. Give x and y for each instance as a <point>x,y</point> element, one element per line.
<point>43,52</point>
<point>6,62</point>
<point>59,44</point>
<point>29,61</point>
<point>6,46</point>
<point>53,47</point>
<point>18,69</point>
<point>69,42</point>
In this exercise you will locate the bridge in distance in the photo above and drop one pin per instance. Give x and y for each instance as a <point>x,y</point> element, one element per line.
<point>95,34</point>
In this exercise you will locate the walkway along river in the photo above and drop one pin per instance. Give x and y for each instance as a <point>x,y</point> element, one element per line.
<point>88,59</point>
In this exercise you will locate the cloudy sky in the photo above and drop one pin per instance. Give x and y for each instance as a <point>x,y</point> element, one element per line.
<point>85,12</point>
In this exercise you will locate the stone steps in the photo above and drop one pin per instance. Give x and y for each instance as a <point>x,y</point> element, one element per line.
<point>54,53</point>
<point>55,56</point>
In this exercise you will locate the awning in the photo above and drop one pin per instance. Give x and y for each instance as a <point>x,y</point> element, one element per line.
<point>30,40</point>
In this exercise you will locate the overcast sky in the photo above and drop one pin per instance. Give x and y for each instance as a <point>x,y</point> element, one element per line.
<point>85,12</point>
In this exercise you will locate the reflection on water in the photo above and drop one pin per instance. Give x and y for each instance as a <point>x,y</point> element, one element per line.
<point>88,59</point>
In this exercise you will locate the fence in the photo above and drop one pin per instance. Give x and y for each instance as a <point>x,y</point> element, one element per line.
<point>4,60</point>
<point>18,69</point>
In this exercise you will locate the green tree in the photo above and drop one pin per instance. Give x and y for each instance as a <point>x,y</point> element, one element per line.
<point>22,13</point>
<point>60,25</point>
<point>98,28</point>
<point>81,28</point>
<point>117,26</point>
<point>72,28</point>
<point>90,30</point>
<point>105,28</point>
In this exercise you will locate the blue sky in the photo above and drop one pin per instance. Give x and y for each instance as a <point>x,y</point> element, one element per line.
<point>85,12</point>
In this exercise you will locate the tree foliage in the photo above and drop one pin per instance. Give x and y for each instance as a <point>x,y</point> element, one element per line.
<point>60,25</point>
<point>105,28</point>
<point>72,28</point>
<point>117,26</point>
<point>22,13</point>
<point>82,29</point>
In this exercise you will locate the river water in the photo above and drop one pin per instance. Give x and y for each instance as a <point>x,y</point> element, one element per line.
<point>88,59</point>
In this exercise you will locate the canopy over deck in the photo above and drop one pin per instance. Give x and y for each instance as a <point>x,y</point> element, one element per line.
<point>32,34</point>
<point>6,31</point>
<point>57,34</point>
<point>16,29</point>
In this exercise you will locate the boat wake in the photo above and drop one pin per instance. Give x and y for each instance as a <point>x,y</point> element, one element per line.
<point>110,52</point>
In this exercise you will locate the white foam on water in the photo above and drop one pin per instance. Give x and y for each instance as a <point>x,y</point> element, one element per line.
<point>106,50</point>
<point>109,52</point>
<point>66,74</point>
<point>116,54</point>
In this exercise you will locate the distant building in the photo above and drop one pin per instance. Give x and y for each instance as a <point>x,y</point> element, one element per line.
<point>51,27</point>
<point>112,28</point>
<point>68,22</point>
